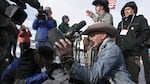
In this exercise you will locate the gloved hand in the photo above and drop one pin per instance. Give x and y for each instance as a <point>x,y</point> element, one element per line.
<point>50,68</point>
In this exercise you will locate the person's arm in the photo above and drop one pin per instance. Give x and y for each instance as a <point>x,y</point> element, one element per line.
<point>21,33</point>
<point>108,18</point>
<point>36,79</point>
<point>144,33</point>
<point>106,61</point>
<point>11,67</point>
<point>50,24</point>
<point>28,32</point>
<point>35,24</point>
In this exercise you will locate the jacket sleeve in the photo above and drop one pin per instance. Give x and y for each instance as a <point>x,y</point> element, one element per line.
<point>144,33</point>
<point>11,67</point>
<point>29,33</point>
<point>37,78</point>
<point>50,24</point>
<point>21,33</point>
<point>35,24</point>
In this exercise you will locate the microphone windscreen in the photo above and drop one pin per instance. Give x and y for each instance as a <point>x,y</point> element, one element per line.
<point>54,35</point>
<point>80,25</point>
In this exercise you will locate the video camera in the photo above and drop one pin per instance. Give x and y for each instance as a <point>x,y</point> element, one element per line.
<point>75,28</point>
<point>55,34</point>
<point>42,14</point>
<point>15,13</point>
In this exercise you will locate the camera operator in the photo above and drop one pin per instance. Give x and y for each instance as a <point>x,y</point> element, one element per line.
<point>42,24</point>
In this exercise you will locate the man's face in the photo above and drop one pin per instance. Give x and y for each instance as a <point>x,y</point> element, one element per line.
<point>128,11</point>
<point>66,20</point>
<point>97,39</point>
<point>98,8</point>
<point>48,13</point>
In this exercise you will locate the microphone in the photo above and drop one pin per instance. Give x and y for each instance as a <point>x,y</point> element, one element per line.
<point>75,28</point>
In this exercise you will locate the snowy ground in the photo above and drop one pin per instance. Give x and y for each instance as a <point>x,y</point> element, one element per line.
<point>141,76</point>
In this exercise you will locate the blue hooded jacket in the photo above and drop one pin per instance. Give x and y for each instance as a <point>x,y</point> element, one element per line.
<point>42,27</point>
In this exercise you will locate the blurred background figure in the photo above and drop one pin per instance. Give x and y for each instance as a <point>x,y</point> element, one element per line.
<point>64,26</point>
<point>42,24</point>
<point>24,38</point>
<point>102,12</point>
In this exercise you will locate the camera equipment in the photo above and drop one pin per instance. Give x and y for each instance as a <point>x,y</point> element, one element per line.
<point>22,3</point>
<point>42,14</point>
<point>54,35</point>
<point>75,28</point>
<point>15,13</point>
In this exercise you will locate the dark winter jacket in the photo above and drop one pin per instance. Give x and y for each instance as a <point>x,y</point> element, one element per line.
<point>133,42</point>
<point>64,27</point>
<point>24,70</point>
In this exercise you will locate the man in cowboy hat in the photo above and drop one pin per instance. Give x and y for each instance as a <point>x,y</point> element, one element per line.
<point>109,62</point>
<point>102,12</point>
<point>134,30</point>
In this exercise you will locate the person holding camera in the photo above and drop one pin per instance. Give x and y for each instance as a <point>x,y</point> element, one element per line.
<point>24,38</point>
<point>42,24</point>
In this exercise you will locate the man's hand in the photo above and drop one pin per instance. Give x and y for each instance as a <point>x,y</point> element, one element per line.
<point>63,47</point>
<point>89,13</point>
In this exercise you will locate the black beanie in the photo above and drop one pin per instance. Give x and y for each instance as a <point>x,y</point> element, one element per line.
<point>129,4</point>
<point>46,52</point>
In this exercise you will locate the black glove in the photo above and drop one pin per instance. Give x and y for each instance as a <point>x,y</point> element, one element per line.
<point>50,68</point>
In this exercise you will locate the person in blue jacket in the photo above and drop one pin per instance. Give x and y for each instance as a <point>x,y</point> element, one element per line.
<point>27,68</point>
<point>109,65</point>
<point>42,24</point>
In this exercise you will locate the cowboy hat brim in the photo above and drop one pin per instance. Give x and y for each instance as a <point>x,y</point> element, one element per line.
<point>101,27</point>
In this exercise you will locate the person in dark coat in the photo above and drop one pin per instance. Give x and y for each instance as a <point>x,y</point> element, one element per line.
<point>133,31</point>
<point>64,26</point>
<point>27,68</point>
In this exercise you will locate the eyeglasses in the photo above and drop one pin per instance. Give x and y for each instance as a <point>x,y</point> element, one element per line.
<point>93,34</point>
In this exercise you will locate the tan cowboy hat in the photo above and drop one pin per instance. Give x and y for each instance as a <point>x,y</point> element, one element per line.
<point>102,27</point>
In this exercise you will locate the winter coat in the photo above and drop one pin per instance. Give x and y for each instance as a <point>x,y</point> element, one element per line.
<point>133,42</point>
<point>104,18</point>
<point>24,36</point>
<point>64,27</point>
<point>42,27</point>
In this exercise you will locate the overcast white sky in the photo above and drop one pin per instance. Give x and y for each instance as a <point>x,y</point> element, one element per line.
<point>75,9</point>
